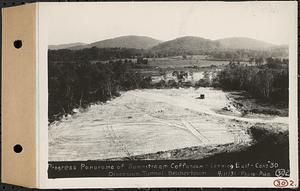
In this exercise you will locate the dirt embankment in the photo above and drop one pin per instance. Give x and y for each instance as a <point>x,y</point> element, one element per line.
<point>269,143</point>
<point>248,105</point>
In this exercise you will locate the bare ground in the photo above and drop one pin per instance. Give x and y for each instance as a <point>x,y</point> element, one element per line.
<point>269,143</point>
<point>158,124</point>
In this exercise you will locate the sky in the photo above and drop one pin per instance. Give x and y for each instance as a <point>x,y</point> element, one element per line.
<point>90,22</point>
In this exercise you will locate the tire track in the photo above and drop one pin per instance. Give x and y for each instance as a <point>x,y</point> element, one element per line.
<point>116,139</point>
<point>192,105</point>
<point>186,125</point>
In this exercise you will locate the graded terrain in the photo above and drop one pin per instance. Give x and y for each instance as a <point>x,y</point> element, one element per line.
<point>141,122</point>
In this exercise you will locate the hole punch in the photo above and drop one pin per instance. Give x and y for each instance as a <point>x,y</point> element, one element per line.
<point>18,148</point>
<point>18,44</point>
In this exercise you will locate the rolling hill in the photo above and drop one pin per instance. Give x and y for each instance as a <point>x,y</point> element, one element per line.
<point>243,43</point>
<point>65,46</point>
<point>187,44</point>
<point>181,45</point>
<point>137,42</point>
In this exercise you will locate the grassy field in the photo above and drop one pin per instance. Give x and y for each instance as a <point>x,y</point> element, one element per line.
<point>196,63</point>
<point>176,62</point>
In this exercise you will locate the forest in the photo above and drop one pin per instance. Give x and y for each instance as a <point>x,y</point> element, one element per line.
<point>77,85</point>
<point>268,81</point>
<point>89,54</point>
<point>246,55</point>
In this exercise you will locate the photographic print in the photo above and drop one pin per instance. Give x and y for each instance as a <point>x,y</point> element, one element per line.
<point>168,90</point>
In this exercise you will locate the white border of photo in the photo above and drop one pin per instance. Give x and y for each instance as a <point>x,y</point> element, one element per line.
<point>44,17</point>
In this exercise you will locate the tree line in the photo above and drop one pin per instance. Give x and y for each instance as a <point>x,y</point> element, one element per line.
<point>105,54</point>
<point>268,81</point>
<point>77,85</point>
<point>245,55</point>
<point>94,53</point>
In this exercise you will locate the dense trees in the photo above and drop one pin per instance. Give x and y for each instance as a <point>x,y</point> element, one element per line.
<point>180,75</point>
<point>141,60</point>
<point>77,84</point>
<point>99,54</point>
<point>276,63</point>
<point>252,56</point>
<point>269,81</point>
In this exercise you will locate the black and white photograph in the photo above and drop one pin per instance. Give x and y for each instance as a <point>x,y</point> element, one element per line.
<point>169,89</point>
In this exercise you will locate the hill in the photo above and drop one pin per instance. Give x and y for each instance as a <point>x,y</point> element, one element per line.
<point>137,42</point>
<point>243,43</point>
<point>218,49</point>
<point>65,46</point>
<point>186,45</point>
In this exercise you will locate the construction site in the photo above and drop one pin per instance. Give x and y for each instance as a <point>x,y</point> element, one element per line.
<point>157,124</point>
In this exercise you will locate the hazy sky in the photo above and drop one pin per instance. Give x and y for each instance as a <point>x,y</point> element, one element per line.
<point>90,22</point>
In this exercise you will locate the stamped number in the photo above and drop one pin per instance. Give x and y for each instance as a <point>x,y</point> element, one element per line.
<point>292,183</point>
<point>281,183</point>
<point>282,173</point>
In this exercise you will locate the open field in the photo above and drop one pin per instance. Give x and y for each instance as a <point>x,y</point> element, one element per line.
<point>170,62</point>
<point>140,122</point>
<point>196,61</point>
